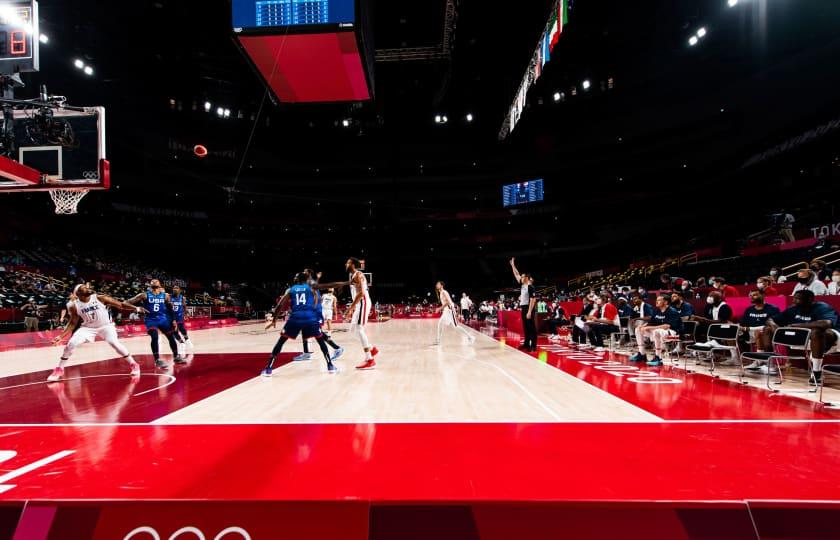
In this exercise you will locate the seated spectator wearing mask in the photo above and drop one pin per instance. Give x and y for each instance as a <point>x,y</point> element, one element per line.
<point>580,331</point>
<point>765,285</point>
<point>665,322</point>
<point>753,321</point>
<point>726,290</point>
<point>678,302</point>
<point>717,311</point>
<point>823,273</point>
<point>777,275</point>
<point>685,288</point>
<point>819,317</point>
<point>834,286</point>
<point>604,322</point>
<point>808,282</point>
<point>556,320</point>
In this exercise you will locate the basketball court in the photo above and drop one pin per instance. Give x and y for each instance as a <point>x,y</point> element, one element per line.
<point>450,440</point>
<point>261,137</point>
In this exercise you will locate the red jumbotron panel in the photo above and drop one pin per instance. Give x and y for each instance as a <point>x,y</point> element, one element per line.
<point>310,68</point>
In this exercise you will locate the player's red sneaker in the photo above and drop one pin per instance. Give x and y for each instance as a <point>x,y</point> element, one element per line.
<point>369,364</point>
<point>374,351</point>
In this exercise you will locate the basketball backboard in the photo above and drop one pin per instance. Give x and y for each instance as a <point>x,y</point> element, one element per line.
<point>62,150</point>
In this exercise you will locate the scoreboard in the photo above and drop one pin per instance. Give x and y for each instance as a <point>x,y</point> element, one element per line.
<point>522,193</point>
<point>19,37</point>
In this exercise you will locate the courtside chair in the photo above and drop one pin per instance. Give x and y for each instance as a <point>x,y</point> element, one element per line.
<point>727,336</point>
<point>832,370</point>
<point>615,337</point>
<point>794,339</point>
<point>683,340</point>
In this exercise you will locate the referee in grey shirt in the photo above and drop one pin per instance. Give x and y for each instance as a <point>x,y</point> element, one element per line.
<point>527,301</point>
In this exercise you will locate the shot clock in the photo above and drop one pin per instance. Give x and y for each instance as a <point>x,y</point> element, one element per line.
<point>19,36</point>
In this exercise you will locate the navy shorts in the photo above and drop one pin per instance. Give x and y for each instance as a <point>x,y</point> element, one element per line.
<point>309,327</point>
<point>164,325</point>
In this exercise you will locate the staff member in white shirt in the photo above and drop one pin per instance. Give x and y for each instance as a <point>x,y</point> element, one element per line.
<point>527,301</point>
<point>834,286</point>
<point>808,282</point>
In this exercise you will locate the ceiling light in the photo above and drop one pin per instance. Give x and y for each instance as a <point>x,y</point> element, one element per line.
<point>345,123</point>
<point>732,3</point>
<point>79,64</point>
<point>227,113</point>
<point>445,119</point>
<point>692,41</point>
<point>556,96</point>
<point>220,111</point>
<point>437,119</point>
<point>701,32</point>
<point>469,117</point>
<point>44,39</point>
<point>88,70</point>
<point>207,106</point>
<point>586,84</point>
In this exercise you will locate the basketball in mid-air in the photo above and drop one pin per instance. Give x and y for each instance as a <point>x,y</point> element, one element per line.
<point>200,150</point>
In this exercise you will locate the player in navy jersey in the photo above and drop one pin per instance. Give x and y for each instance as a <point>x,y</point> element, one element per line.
<point>179,304</point>
<point>159,320</point>
<point>312,279</point>
<point>304,319</point>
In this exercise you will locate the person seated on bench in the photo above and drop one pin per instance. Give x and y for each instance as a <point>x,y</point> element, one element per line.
<point>665,322</point>
<point>819,317</point>
<point>754,321</point>
<point>717,312</point>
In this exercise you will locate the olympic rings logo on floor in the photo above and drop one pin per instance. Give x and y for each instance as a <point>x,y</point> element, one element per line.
<point>192,533</point>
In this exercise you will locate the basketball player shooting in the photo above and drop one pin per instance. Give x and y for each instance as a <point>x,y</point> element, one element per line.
<point>92,311</point>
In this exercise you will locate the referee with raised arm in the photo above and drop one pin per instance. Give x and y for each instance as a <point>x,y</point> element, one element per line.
<point>527,301</point>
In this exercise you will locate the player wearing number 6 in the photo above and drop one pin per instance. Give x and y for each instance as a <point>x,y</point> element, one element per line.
<point>160,316</point>
<point>92,311</point>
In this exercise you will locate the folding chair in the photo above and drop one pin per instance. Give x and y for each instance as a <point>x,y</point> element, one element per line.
<point>795,339</point>
<point>685,338</point>
<point>832,370</point>
<point>722,334</point>
<point>615,337</point>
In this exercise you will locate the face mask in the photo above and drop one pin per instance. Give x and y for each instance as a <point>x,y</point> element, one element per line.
<point>641,291</point>
<point>773,272</point>
<point>760,286</point>
<point>685,287</point>
<point>835,279</point>
<point>710,300</point>
<point>815,268</point>
<point>803,280</point>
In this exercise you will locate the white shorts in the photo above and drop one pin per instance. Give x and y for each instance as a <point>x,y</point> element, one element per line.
<point>328,315</point>
<point>86,334</point>
<point>448,317</point>
<point>361,314</point>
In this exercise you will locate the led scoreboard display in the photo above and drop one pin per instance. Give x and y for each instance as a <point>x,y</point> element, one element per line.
<point>522,193</point>
<point>18,37</point>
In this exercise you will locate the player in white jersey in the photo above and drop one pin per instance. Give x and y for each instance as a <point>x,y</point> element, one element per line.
<point>328,303</point>
<point>92,311</point>
<point>448,315</point>
<point>359,311</point>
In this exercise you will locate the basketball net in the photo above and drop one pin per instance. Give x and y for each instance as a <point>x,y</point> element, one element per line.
<point>67,200</point>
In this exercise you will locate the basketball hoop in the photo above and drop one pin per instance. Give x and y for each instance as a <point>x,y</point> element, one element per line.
<point>67,200</point>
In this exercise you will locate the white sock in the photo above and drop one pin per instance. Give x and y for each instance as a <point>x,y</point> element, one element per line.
<point>368,355</point>
<point>817,363</point>
<point>131,360</point>
<point>62,362</point>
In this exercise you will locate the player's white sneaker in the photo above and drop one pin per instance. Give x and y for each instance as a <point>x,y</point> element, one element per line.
<point>56,375</point>
<point>190,344</point>
<point>182,349</point>
<point>135,370</point>
<point>302,357</point>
